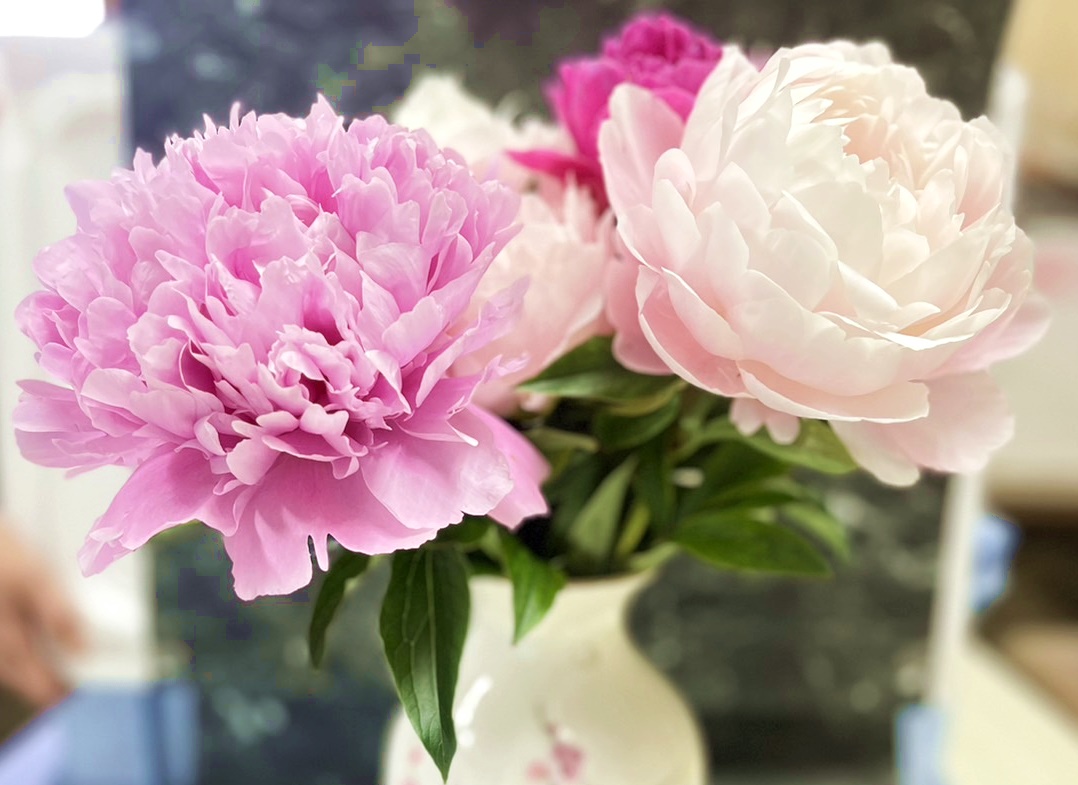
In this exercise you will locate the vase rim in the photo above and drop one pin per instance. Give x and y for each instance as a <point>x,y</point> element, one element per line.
<point>639,578</point>
<point>600,600</point>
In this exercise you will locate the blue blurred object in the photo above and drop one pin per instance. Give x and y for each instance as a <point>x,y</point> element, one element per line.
<point>131,735</point>
<point>34,756</point>
<point>920,732</point>
<point>997,541</point>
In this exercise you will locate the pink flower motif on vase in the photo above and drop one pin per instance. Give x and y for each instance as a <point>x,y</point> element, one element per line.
<point>565,765</point>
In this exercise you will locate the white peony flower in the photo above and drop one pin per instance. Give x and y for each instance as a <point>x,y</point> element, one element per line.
<point>821,238</point>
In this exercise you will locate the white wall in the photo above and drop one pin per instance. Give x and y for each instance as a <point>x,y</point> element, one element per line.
<point>61,119</point>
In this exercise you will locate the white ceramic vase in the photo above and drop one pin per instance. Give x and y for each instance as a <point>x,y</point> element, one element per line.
<point>575,703</point>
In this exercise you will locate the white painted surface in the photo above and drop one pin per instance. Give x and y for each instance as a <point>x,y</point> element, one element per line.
<point>1005,731</point>
<point>51,18</point>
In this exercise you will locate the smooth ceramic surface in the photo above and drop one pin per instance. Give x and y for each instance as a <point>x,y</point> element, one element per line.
<point>575,703</point>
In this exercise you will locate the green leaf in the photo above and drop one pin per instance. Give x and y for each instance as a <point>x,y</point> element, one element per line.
<point>699,407</point>
<point>654,558</point>
<point>638,407</point>
<point>622,433</point>
<point>345,568</point>
<point>740,542</point>
<point>634,531</point>
<point>568,493</point>
<point>551,441</point>
<point>816,448</point>
<point>535,584</point>
<point>728,467</point>
<point>770,492</point>
<point>817,521</point>
<point>654,484</point>
<point>592,535</point>
<point>559,447</point>
<point>717,430</point>
<point>424,625</point>
<point>468,533</point>
<point>590,371</point>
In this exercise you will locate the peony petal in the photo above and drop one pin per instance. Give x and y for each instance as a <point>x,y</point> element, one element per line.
<point>432,484</point>
<point>1003,339</point>
<point>527,467</point>
<point>673,343</point>
<point>896,403</point>
<point>299,503</point>
<point>968,420</point>
<point>749,415</point>
<point>640,129</point>
<point>169,489</point>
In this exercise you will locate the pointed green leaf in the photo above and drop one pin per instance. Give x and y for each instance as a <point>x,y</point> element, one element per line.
<point>560,447</point>
<point>468,533</point>
<point>654,485</point>
<point>726,467</point>
<point>817,521</point>
<point>634,531</point>
<point>424,624</point>
<point>816,448</point>
<point>569,492</point>
<point>643,405</point>
<point>345,568</point>
<point>553,440</point>
<point>535,584</point>
<point>593,534</point>
<point>622,433</point>
<point>654,558</point>
<point>591,372</point>
<point>717,430</point>
<point>740,542</point>
<point>769,492</point>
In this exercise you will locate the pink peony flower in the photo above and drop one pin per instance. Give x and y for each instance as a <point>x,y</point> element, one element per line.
<point>658,52</point>
<point>260,325</point>
<point>822,239</point>
<point>559,257</point>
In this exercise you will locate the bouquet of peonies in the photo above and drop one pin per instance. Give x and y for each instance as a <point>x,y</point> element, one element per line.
<point>489,344</point>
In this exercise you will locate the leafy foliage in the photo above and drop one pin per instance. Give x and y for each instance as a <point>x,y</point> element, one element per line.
<point>643,467</point>
<point>639,460</point>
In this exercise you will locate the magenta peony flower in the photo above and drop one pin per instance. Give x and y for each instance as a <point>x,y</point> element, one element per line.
<point>658,52</point>
<point>261,325</point>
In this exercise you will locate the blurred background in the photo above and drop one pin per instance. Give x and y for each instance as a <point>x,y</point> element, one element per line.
<point>795,682</point>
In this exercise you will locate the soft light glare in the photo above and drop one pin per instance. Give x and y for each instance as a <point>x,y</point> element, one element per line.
<point>50,18</point>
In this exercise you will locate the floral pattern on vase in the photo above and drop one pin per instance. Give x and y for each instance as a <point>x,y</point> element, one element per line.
<point>574,703</point>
